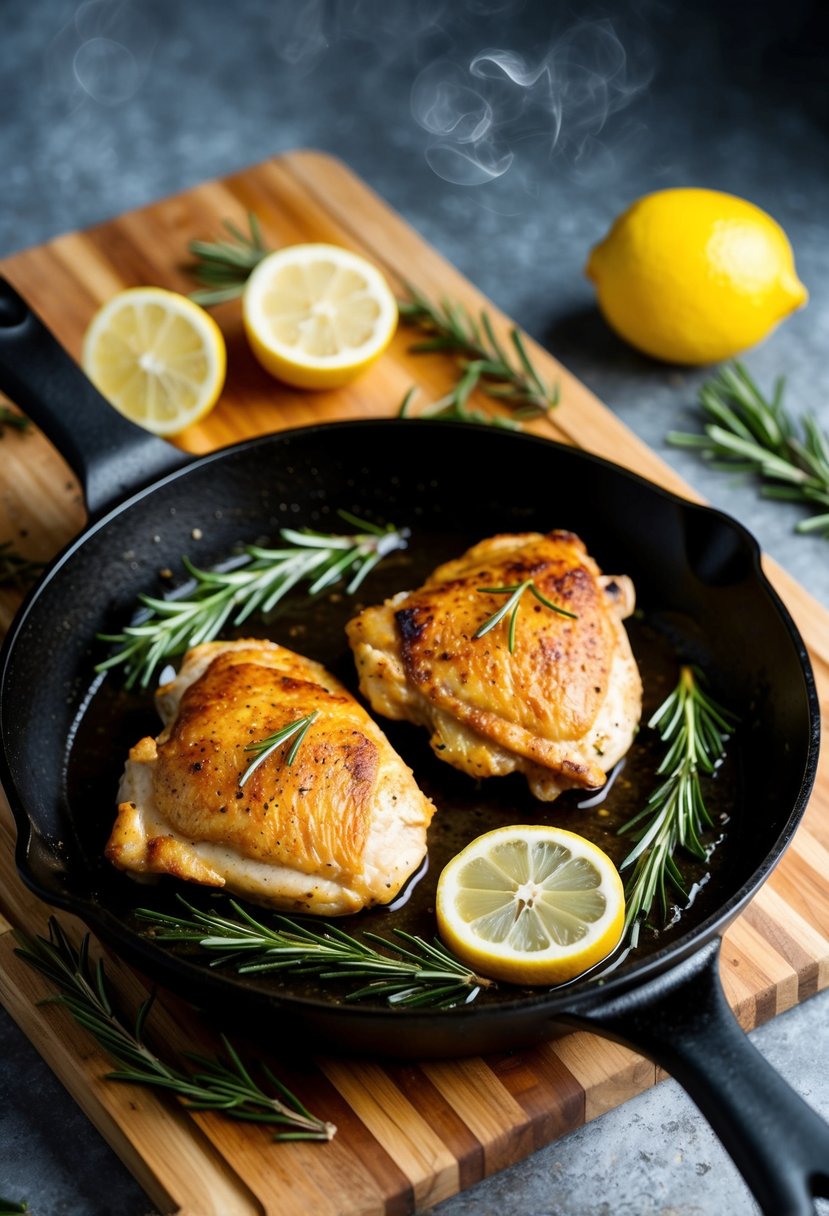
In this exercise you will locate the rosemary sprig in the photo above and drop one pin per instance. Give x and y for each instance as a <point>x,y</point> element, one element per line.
<point>221,1084</point>
<point>11,420</point>
<point>15,569</point>
<point>408,972</point>
<point>696,729</point>
<point>266,747</point>
<point>748,432</point>
<point>258,580</point>
<point>223,267</point>
<point>515,592</point>
<point>484,362</point>
<point>10,1207</point>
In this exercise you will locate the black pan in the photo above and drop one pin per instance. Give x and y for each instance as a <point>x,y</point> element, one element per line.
<point>703,599</point>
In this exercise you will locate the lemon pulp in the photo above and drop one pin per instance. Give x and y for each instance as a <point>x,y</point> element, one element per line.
<point>316,316</point>
<point>157,357</point>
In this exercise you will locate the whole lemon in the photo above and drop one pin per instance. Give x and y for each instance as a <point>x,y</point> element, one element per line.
<point>695,276</point>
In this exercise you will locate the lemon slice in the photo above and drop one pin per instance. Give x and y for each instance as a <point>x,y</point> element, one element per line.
<point>316,316</point>
<point>530,905</point>
<point>157,357</point>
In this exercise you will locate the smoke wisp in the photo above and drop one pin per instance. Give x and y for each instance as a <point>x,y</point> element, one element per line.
<point>103,54</point>
<point>481,116</point>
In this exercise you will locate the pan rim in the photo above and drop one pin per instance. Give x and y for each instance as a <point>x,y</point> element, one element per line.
<point>568,997</point>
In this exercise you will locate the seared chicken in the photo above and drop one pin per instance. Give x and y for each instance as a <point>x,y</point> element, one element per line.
<point>339,828</point>
<point>562,708</point>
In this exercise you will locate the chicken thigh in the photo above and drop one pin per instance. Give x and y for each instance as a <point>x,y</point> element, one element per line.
<point>338,827</point>
<point>562,707</point>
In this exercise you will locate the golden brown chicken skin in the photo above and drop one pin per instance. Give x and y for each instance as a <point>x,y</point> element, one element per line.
<point>338,829</point>
<point>562,708</point>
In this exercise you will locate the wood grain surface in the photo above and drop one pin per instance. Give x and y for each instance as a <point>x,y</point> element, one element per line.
<point>409,1134</point>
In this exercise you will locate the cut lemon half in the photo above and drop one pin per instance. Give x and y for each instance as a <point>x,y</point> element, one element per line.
<point>531,905</point>
<point>157,357</point>
<point>316,316</point>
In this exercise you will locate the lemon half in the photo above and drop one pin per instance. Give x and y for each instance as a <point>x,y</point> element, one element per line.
<point>316,316</point>
<point>695,276</point>
<point>530,905</point>
<point>157,357</point>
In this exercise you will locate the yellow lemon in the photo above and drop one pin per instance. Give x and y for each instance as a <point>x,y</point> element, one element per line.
<point>157,357</point>
<point>695,276</point>
<point>530,905</point>
<point>316,316</point>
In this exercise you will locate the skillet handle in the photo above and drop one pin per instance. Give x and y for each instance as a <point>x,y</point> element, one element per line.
<point>681,1019</point>
<point>110,455</point>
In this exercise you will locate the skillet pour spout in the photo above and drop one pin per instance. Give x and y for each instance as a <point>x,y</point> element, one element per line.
<point>701,589</point>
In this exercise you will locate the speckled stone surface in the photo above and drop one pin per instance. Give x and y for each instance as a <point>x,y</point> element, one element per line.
<point>510,134</point>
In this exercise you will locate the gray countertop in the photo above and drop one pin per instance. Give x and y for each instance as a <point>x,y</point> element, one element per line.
<point>577,110</point>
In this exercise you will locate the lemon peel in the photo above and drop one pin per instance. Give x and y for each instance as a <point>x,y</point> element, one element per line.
<point>694,276</point>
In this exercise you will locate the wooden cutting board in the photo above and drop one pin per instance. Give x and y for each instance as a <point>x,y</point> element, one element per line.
<point>409,1134</point>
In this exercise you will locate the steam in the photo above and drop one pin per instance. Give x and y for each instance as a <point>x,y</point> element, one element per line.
<point>481,115</point>
<point>301,36</point>
<point>103,54</point>
<point>461,119</point>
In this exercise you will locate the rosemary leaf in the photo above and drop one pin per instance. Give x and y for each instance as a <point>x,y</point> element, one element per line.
<point>221,1083</point>
<point>256,582</point>
<point>747,432</point>
<point>404,972</point>
<point>15,569</point>
<point>266,747</point>
<point>452,408</point>
<point>223,267</point>
<point>696,729</point>
<point>482,363</point>
<point>515,592</point>
<point>12,421</point>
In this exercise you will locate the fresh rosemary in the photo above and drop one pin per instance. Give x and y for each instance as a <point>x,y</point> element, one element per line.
<point>696,729</point>
<point>266,747</point>
<point>221,1084</point>
<point>408,972</point>
<point>11,420</point>
<point>509,376</point>
<point>15,569</point>
<point>10,1207</point>
<point>223,267</point>
<point>258,580</point>
<point>749,433</point>
<point>515,592</point>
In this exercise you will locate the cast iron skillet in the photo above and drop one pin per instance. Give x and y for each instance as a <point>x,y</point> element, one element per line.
<point>704,599</point>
